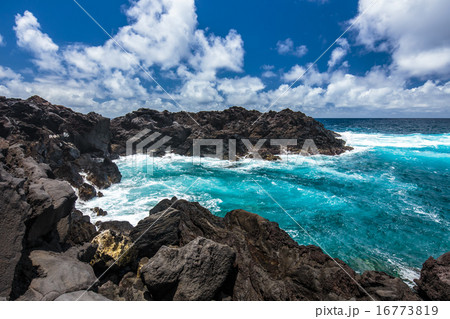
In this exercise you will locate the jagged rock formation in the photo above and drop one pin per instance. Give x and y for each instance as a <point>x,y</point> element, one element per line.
<point>434,281</point>
<point>44,150</point>
<point>233,123</point>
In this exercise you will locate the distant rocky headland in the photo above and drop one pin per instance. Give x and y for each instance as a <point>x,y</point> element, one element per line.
<point>51,155</point>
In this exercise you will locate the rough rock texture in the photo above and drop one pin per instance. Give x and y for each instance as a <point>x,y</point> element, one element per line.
<point>196,271</point>
<point>111,246</point>
<point>232,123</point>
<point>86,192</point>
<point>384,287</point>
<point>176,226</point>
<point>69,142</point>
<point>80,229</point>
<point>34,213</point>
<point>57,274</point>
<point>120,227</point>
<point>434,281</point>
<point>99,212</point>
<point>13,213</point>
<point>82,295</point>
<point>130,288</point>
<point>44,150</point>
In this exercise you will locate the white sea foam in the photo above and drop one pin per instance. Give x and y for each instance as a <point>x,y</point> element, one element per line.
<point>370,140</point>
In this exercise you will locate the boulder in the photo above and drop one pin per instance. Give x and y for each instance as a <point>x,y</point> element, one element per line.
<point>86,192</point>
<point>177,226</point>
<point>80,229</point>
<point>272,266</point>
<point>434,281</point>
<point>101,172</point>
<point>83,253</point>
<point>120,227</point>
<point>57,274</point>
<point>51,200</point>
<point>196,271</point>
<point>130,288</point>
<point>112,248</point>
<point>99,212</point>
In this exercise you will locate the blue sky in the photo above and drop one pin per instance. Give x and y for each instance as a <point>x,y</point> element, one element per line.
<point>394,61</point>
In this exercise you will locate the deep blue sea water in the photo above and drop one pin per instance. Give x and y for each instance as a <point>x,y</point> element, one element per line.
<point>384,206</point>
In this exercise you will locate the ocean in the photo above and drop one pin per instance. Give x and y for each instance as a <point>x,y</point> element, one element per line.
<point>383,206</point>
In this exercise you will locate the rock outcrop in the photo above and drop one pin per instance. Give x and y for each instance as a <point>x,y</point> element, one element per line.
<point>70,143</point>
<point>234,123</point>
<point>45,150</point>
<point>119,227</point>
<point>434,281</point>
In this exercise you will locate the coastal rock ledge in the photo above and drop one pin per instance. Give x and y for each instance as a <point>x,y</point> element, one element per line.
<point>50,156</point>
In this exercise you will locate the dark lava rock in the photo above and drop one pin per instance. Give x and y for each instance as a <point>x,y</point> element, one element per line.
<point>434,281</point>
<point>86,192</point>
<point>196,271</point>
<point>177,226</point>
<point>99,212</point>
<point>386,288</point>
<point>83,253</point>
<point>120,227</point>
<point>163,205</point>
<point>57,274</point>
<point>13,214</point>
<point>234,123</point>
<point>80,230</point>
<point>130,288</point>
<point>69,142</point>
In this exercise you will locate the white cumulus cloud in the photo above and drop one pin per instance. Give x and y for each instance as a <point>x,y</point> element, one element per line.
<point>30,37</point>
<point>415,32</point>
<point>339,53</point>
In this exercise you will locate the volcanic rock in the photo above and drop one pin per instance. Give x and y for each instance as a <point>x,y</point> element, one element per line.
<point>119,227</point>
<point>434,281</point>
<point>196,271</point>
<point>57,274</point>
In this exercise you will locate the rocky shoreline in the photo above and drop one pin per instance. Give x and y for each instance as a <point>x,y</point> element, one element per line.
<point>50,156</point>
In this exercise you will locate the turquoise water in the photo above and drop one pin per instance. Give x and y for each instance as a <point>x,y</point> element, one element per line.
<point>384,206</point>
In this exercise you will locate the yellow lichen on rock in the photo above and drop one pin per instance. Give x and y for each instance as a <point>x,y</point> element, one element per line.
<point>111,247</point>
